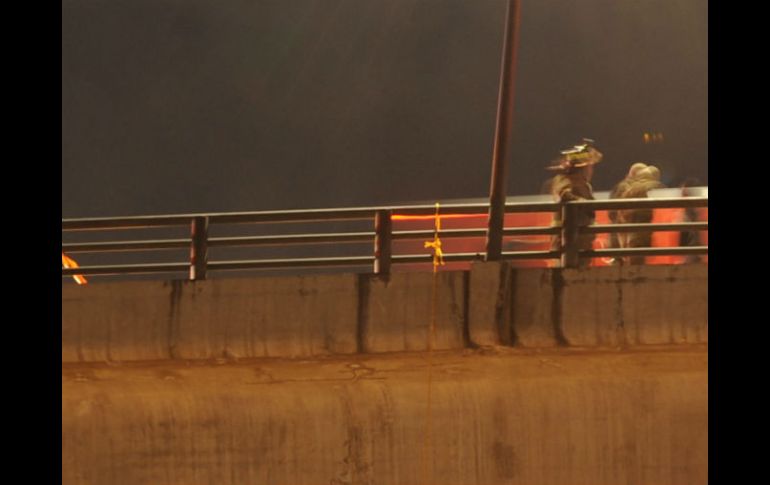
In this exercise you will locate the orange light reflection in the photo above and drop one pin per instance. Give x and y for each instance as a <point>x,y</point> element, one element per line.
<point>401,217</point>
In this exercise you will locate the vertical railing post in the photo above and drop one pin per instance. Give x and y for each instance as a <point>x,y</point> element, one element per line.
<point>383,228</point>
<point>199,248</point>
<point>569,236</point>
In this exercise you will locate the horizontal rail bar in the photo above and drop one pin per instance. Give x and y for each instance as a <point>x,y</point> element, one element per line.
<point>662,203</point>
<point>134,222</point>
<point>531,207</point>
<point>428,258</point>
<point>126,269</point>
<point>453,233</point>
<point>454,257</point>
<point>531,255</point>
<point>532,231</point>
<point>612,228</point>
<point>447,233</point>
<point>289,263</point>
<point>669,251</point>
<point>312,215</point>
<point>521,240</point>
<point>97,247</point>
<point>354,237</point>
<point>481,209</point>
<point>363,237</point>
<point>299,215</point>
<point>307,215</point>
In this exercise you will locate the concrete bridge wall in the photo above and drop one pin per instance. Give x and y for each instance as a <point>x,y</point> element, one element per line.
<point>302,316</point>
<point>510,417</point>
<point>539,376</point>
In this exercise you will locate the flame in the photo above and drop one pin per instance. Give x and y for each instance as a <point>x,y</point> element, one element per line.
<point>68,262</point>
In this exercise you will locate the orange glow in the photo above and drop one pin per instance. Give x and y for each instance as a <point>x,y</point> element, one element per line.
<point>397,217</point>
<point>653,137</point>
<point>68,262</point>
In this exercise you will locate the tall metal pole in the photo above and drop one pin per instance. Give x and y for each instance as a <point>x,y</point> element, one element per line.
<point>502,148</point>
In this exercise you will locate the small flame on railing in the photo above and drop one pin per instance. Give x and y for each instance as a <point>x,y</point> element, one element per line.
<point>68,262</point>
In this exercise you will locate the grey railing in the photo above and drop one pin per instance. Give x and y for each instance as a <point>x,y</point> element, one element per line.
<point>379,238</point>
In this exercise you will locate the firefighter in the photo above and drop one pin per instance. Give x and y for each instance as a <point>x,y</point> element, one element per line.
<point>616,193</point>
<point>646,179</point>
<point>574,169</point>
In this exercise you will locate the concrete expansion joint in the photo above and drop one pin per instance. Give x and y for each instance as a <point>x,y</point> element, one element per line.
<point>362,316</point>
<point>503,304</point>
<point>174,315</point>
<point>619,305</point>
<point>558,285</point>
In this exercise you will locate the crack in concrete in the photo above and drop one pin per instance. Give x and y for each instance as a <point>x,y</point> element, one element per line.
<point>174,318</point>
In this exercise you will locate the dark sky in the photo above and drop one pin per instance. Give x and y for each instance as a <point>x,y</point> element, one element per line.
<point>237,105</point>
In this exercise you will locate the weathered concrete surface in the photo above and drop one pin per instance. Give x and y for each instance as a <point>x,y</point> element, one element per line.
<point>116,322</point>
<point>489,303</point>
<point>302,316</point>
<point>398,312</point>
<point>509,416</point>
<point>605,306</point>
<point>263,317</point>
<point>532,307</point>
<point>591,306</point>
<point>635,305</point>
<point>665,304</point>
<point>512,305</point>
<point>234,318</point>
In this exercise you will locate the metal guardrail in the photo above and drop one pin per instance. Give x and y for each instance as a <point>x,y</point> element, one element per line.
<point>381,259</point>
